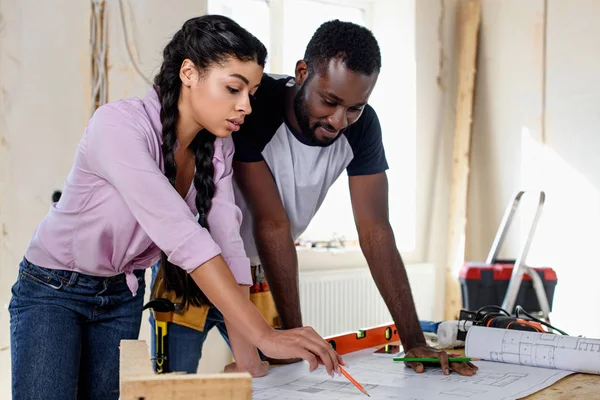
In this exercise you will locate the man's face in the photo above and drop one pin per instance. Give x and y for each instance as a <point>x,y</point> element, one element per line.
<point>330,100</point>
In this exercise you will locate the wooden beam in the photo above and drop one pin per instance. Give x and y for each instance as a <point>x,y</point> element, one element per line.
<point>139,382</point>
<point>468,21</point>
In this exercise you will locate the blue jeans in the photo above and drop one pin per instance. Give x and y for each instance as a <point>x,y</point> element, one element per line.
<point>65,332</point>
<point>185,344</point>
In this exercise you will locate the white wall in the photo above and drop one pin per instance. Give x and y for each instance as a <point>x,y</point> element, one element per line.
<point>535,127</point>
<point>509,95</point>
<point>523,88</point>
<point>44,108</point>
<point>436,99</point>
<point>568,166</point>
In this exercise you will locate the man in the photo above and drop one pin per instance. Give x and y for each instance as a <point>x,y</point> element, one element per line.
<point>302,133</point>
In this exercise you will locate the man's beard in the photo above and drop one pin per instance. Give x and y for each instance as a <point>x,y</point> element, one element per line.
<point>301,112</point>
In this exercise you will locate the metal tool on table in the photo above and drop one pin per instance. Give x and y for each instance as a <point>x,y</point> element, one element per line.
<point>162,310</point>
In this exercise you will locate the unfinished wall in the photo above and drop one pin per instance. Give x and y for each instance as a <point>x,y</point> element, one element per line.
<point>509,96</point>
<point>568,166</point>
<point>436,102</point>
<point>43,109</point>
<point>45,105</point>
<point>150,25</point>
<point>532,62</point>
<point>45,62</point>
<point>535,128</point>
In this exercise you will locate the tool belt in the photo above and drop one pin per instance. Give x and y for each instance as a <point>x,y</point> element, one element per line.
<point>195,317</point>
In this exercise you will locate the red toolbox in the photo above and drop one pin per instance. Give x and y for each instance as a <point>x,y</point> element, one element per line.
<point>489,283</point>
<point>483,284</point>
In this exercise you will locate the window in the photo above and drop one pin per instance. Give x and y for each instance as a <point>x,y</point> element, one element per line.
<point>302,18</point>
<point>286,26</point>
<point>253,15</point>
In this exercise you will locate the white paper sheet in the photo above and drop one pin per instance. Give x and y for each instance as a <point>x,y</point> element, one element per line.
<point>385,379</point>
<point>536,349</point>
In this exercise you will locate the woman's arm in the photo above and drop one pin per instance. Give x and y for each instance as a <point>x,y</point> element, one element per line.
<point>245,354</point>
<point>117,149</point>
<point>217,282</point>
<point>224,220</point>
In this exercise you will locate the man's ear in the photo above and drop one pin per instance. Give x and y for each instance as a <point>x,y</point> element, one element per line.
<point>188,72</point>
<point>301,72</point>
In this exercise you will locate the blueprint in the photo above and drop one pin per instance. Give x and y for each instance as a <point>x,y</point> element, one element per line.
<point>385,379</point>
<point>544,350</point>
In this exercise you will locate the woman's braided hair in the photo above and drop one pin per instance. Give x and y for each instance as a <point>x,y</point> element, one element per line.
<point>206,41</point>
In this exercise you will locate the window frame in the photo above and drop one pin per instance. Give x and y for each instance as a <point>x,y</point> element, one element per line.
<point>276,18</point>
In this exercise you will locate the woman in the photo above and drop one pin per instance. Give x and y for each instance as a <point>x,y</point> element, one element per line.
<point>143,170</point>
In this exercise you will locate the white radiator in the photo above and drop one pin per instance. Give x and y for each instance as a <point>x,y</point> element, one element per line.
<point>345,300</point>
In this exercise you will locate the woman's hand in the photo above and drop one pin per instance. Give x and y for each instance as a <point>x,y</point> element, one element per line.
<point>302,343</point>
<point>256,371</point>
<point>218,284</point>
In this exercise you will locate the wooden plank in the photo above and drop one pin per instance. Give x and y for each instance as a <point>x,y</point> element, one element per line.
<point>139,382</point>
<point>468,21</point>
<point>134,359</point>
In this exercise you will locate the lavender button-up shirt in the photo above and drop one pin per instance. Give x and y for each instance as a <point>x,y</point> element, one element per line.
<point>118,209</point>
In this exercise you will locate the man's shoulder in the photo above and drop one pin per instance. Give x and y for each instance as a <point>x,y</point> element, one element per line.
<point>366,126</point>
<point>271,90</point>
<point>267,116</point>
<point>270,79</point>
<point>268,102</point>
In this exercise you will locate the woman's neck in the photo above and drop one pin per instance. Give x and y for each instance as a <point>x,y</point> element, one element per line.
<point>187,127</point>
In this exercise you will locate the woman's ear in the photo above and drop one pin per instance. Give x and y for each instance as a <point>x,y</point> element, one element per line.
<point>188,73</point>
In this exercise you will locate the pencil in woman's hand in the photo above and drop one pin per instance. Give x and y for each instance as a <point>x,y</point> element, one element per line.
<point>351,379</point>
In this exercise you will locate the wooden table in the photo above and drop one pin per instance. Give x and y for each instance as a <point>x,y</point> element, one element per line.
<point>572,387</point>
<point>576,386</point>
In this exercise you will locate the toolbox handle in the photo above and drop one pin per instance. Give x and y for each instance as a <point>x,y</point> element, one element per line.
<point>505,224</point>
<point>520,268</point>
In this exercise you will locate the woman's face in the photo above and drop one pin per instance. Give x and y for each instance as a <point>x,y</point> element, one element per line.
<point>219,99</point>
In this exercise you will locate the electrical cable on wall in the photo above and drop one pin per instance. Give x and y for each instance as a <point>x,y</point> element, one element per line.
<point>98,39</point>
<point>129,52</point>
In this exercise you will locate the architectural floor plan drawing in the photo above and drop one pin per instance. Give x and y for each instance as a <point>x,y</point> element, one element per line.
<point>535,349</point>
<point>385,379</point>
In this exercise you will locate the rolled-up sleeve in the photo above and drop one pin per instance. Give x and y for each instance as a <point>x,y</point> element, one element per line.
<point>225,218</point>
<point>118,150</point>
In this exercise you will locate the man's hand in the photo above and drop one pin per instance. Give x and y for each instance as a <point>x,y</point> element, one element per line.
<point>463,368</point>
<point>256,370</point>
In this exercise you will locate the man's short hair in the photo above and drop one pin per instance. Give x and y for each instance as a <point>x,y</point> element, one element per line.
<point>355,45</point>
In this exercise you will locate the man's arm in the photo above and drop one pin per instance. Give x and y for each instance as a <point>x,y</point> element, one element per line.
<point>273,237</point>
<point>369,195</point>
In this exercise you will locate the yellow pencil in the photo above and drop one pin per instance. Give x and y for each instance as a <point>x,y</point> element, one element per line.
<point>351,379</point>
